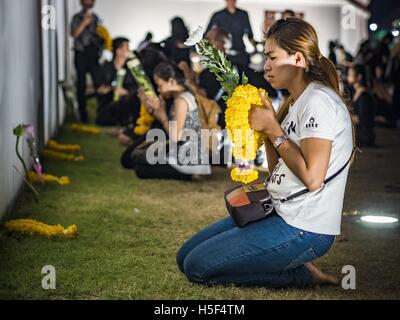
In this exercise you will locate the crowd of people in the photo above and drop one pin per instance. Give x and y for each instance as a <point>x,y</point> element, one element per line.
<point>310,138</point>
<point>370,82</point>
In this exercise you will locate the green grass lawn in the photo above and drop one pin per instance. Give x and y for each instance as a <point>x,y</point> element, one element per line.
<point>130,230</point>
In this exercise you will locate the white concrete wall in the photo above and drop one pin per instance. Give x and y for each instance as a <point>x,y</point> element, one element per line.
<point>22,98</point>
<point>19,86</point>
<point>133,18</point>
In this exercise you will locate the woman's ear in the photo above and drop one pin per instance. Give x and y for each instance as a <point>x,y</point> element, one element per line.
<point>300,61</point>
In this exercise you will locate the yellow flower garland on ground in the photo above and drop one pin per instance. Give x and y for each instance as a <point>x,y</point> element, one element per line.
<point>33,227</point>
<point>52,144</point>
<point>35,178</point>
<point>85,128</point>
<point>105,35</point>
<point>51,154</point>
<point>143,123</point>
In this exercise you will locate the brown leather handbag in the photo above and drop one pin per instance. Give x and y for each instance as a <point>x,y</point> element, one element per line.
<point>251,203</point>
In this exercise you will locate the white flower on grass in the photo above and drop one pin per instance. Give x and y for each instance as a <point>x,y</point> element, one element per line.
<point>195,37</point>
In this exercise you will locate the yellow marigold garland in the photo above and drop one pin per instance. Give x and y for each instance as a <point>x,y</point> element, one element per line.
<point>35,178</point>
<point>33,227</point>
<point>143,123</point>
<point>246,176</point>
<point>103,33</point>
<point>85,128</point>
<point>51,154</point>
<point>52,144</point>
<point>246,141</point>
<point>241,98</point>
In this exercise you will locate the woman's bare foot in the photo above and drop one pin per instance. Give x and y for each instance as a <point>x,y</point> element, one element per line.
<point>113,131</point>
<point>197,178</point>
<point>320,277</point>
<point>124,140</point>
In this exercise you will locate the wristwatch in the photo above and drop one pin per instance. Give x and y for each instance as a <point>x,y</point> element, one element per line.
<point>278,141</point>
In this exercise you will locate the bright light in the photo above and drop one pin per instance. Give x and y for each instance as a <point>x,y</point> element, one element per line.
<point>379,219</point>
<point>395,32</point>
<point>373,26</point>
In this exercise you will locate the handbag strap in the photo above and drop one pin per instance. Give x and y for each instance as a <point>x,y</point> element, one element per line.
<point>300,193</point>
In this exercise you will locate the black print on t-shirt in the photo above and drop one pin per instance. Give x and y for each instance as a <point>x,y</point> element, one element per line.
<point>290,127</point>
<point>311,123</point>
<point>276,178</point>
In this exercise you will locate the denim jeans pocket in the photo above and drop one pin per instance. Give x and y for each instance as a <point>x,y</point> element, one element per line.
<point>327,239</point>
<point>308,255</point>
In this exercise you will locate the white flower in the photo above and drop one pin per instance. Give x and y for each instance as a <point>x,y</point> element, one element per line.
<point>195,37</point>
<point>121,73</point>
<point>133,63</point>
<point>107,55</point>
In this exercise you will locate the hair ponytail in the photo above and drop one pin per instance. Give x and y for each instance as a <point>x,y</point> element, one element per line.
<point>324,71</point>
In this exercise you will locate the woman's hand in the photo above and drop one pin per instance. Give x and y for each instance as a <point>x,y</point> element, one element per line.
<point>122,92</point>
<point>264,119</point>
<point>155,105</point>
<point>104,89</point>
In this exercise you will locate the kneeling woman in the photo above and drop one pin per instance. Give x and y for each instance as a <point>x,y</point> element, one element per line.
<point>309,140</point>
<point>182,126</point>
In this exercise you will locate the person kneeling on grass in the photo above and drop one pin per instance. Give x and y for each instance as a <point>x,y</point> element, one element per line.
<point>182,123</point>
<point>117,108</point>
<point>309,140</point>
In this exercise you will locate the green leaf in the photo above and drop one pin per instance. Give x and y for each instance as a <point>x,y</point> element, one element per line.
<point>245,80</point>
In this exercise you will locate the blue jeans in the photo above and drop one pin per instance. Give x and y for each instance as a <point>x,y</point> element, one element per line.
<point>267,253</point>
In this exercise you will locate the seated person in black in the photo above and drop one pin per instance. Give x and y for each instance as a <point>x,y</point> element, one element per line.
<point>117,106</point>
<point>363,107</point>
<point>149,57</point>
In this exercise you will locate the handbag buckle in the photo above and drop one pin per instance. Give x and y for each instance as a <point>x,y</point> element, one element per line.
<point>267,205</point>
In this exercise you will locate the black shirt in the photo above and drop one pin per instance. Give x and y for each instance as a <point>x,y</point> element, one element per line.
<point>88,37</point>
<point>237,24</point>
<point>175,52</point>
<point>109,78</point>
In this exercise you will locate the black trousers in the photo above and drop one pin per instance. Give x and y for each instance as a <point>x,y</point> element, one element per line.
<point>86,63</point>
<point>148,171</point>
<point>160,171</point>
<point>120,113</point>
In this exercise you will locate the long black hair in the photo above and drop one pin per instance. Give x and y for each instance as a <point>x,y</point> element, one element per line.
<point>360,71</point>
<point>167,70</point>
<point>179,30</point>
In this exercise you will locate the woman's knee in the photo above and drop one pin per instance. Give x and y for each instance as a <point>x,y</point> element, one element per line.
<point>195,267</point>
<point>180,258</point>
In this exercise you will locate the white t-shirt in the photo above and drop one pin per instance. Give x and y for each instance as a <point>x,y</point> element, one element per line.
<point>318,112</point>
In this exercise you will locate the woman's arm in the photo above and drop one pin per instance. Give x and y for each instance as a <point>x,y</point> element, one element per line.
<point>87,20</point>
<point>156,107</point>
<point>180,112</point>
<point>309,162</point>
<point>272,156</point>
